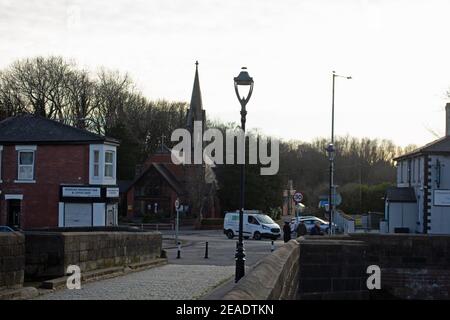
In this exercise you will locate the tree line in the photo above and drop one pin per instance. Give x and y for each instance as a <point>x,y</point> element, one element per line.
<point>105,102</point>
<point>108,102</point>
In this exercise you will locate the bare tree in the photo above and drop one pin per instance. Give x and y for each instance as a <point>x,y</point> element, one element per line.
<point>39,85</point>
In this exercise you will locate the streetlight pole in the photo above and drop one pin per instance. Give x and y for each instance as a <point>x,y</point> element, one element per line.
<point>243,79</point>
<point>331,200</point>
<point>331,151</point>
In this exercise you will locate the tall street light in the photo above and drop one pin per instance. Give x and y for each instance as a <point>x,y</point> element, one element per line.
<point>243,80</point>
<point>331,155</point>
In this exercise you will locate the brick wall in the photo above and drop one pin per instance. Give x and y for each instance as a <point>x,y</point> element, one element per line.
<point>48,254</point>
<point>54,165</point>
<point>12,260</point>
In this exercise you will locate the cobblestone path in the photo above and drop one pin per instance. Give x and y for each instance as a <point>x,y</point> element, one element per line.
<point>178,282</point>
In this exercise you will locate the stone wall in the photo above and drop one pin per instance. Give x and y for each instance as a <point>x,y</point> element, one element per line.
<point>275,277</point>
<point>332,269</point>
<point>407,250</point>
<point>412,266</point>
<point>48,254</point>
<point>12,260</point>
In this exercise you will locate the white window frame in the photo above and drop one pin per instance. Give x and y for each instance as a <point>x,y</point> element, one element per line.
<point>101,179</point>
<point>19,150</point>
<point>112,164</point>
<point>96,164</point>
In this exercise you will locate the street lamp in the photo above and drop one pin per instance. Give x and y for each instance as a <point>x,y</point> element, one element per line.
<point>331,154</point>
<point>332,104</point>
<point>242,81</point>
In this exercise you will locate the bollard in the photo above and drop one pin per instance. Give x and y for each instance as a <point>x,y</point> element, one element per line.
<point>206,250</point>
<point>179,251</point>
<point>272,247</point>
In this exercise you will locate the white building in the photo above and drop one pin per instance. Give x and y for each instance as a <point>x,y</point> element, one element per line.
<point>421,201</point>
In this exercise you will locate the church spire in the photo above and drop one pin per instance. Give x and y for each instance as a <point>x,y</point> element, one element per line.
<point>195,112</point>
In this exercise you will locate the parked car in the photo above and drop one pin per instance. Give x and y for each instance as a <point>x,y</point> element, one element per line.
<point>309,223</point>
<point>6,229</point>
<point>256,225</point>
<point>294,223</point>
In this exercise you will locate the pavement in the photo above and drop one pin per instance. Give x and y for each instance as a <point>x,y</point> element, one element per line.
<point>169,282</point>
<point>190,277</point>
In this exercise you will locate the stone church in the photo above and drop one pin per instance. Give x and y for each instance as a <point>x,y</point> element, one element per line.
<point>160,182</point>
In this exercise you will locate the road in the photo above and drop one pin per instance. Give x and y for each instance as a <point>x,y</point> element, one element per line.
<point>190,277</point>
<point>221,250</point>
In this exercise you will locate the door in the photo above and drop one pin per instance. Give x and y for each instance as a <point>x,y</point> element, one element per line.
<point>251,226</point>
<point>13,218</point>
<point>78,215</point>
<point>111,214</point>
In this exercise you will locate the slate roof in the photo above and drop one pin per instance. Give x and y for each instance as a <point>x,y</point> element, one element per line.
<point>441,145</point>
<point>165,173</point>
<point>39,130</point>
<point>395,194</point>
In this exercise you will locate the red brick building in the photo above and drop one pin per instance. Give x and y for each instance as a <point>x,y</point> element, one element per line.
<point>55,175</point>
<point>156,187</point>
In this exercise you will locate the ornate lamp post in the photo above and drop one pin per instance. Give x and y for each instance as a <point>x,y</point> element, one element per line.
<point>243,80</point>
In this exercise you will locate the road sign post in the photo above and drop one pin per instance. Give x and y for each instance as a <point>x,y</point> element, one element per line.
<point>298,197</point>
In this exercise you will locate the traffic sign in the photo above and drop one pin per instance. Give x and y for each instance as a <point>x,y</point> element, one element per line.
<point>337,199</point>
<point>298,197</point>
<point>177,203</point>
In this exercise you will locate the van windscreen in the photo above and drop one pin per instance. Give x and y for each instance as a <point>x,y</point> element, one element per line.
<point>264,219</point>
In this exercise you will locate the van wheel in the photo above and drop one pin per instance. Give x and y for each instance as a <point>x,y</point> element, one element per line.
<point>257,236</point>
<point>230,234</point>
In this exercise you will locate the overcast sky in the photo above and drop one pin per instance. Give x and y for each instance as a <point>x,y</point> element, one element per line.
<point>398,53</point>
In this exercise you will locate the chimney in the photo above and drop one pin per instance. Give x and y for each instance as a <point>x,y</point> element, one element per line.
<point>447,119</point>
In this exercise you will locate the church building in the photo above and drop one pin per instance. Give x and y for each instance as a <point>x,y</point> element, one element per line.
<point>160,182</point>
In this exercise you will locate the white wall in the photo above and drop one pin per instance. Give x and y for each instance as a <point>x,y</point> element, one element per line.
<point>402,215</point>
<point>440,216</point>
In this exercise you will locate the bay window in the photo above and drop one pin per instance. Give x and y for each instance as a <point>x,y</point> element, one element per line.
<point>102,164</point>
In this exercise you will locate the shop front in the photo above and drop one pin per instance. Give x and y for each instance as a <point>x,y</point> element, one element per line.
<point>84,206</point>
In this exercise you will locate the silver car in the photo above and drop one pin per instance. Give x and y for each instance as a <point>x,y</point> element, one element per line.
<point>310,221</point>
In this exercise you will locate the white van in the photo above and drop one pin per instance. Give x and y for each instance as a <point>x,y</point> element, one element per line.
<point>256,225</point>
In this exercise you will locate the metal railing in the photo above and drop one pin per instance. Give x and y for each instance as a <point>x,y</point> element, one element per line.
<point>344,222</point>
